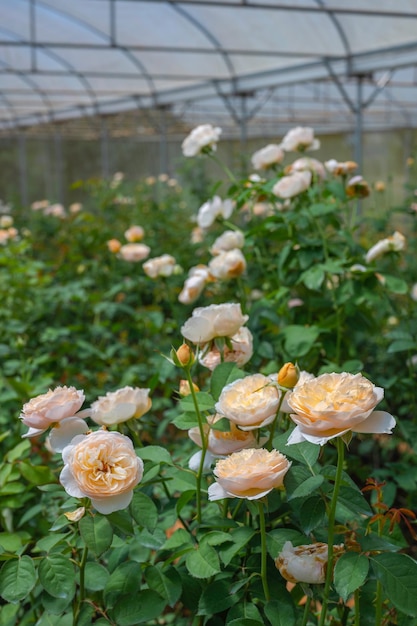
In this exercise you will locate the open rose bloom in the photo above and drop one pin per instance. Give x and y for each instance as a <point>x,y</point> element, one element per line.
<point>305,564</point>
<point>202,137</point>
<point>215,320</point>
<point>239,352</point>
<point>57,409</point>
<point>251,402</point>
<point>121,405</point>
<point>251,473</point>
<point>101,466</point>
<point>334,404</point>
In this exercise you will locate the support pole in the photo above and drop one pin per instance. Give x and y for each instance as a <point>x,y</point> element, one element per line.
<point>104,149</point>
<point>358,138</point>
<point>59,170</point>
<point>23,170</point>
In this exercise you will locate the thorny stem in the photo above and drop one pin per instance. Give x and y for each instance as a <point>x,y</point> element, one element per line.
<point>330,539</point>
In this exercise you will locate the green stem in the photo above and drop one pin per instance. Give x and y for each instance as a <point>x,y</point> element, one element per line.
<point>306,611</point>
<point>223,167</point>
<point>357,611</point>
<point>330,538</point>
<point>378,604</point>
<point>263,550</point>
<point>274,423</point>
<point>82,565</point>
<point>203,443</point>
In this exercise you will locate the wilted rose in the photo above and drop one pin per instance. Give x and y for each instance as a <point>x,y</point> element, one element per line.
<point>121,405</point>
<point>292,185</point>
<point>215,320</point>
<point>305,564</point>
<point>333,404</point>
<point>357,187</point>
<point>202,137</point>
<point>250,402</point>
<point>299,139</point>
<point>250,473</point>
<point>268,156</point>
<point>340,168</point>
<point>101,466</point>
<point>50,408</point>
<point>240,352</point>
<point>134,252</point>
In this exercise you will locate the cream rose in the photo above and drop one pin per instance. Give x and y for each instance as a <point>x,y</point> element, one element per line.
<point>194,284</point>
<point>307,164</point>
<point>299,139</point>
<point>264,158</point>
<point>121,405</point>
<point>292,185</point>
<point>228,264</point>
<point>250,473</point>
<point>215,320</point>
<point>134,233</point>
<point>229,240</point>
<point>305,564</point>
<point>394,243</point>
<point>240,352</point>
<point>251,402</point>
<point>164,265</point>
<point>212,209</point>
<point>50,408</point>
<point>134,252</point>
<point>101,466</point>
<point>203,136</point>
<point>333,404</point>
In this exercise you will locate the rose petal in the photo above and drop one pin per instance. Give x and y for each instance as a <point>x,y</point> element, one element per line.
<point>377,422</point>
<point>216,492</point>
<point>112,503</point>
<point>64,433</point>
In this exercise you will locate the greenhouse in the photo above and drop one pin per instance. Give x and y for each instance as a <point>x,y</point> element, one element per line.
<point>209,322</point>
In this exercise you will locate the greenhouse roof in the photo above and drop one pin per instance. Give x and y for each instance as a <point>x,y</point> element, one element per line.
<point>218,61</point>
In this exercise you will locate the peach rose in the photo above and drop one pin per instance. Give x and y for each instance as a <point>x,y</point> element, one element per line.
<point>101,466</point>
<point>46,410</point>
<point>249,473</point>
<point>114,245</point>
<point>164,265</point>
<point>134,252</point>
<point>305,564</point>
<point>194,284</point>
<point>292,185</point>
<point>240,352</point>
<point>268,156</point>
<point>134,233</point>
<point>333,404</point>
<point>229,240</point>
<point>227,265</point>
<point>250,402</point>
<point>299,139</point>
<point>121,405</point>
<point>202,137</point>
<point>215,320</point>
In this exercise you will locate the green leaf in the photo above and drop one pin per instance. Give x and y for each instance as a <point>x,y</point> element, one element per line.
<point>18,451</point>
<point>204,400</point>
<point>203,561</point>
<point>401,345</point>
<point>398,576</point>
<point>239,538</point>
<point>166,583</point>
<point>37,474</point>
<point>245,621</point>
<point>313,278</point>
<point>223,424</point>
<point>144,511</point>
<point>138,609</point>
<point>395,284</point>
<point>281,612</point>
<point>216,598</point>
<point>308,487</point>
<point>351,504</point>
<point>185,421</point>
<point>97,533</point>
<point>298,340</point>
<point>96,576</point>
<point>350,573</point>
<point>156,454</point>
<point>243,610</point>
<point>305,452</point>
<point>224,374</point>
<point>56,574</point>
<point>17,579</point>
<point>123,581</point>
<point>323,209</point>
<point>312,514</point>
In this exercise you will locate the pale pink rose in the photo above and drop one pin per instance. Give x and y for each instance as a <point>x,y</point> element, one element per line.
<point>250,402</point>
<point>307,164</point>
<point>121,405</point>
<point>194,284</point>
<point>334,404</point>
<point>394,243</point>
<point>228,264</point>
<point>271,155</point>
<point>102,466</point>
<point>134,252</point>
<point>212,209</point>
<point>46,410</point>
<point>240,352</point>
<point>299,139</point>
<point>4,236</point>
<point>215,320</point>
<point>292,185</point>
<point>164,265</point>
<point>202,137</point>
<point>229,240</point>
<point>340,168</point>
<point>250,473</point>
<point>134,233</point>
<point>305,564</point>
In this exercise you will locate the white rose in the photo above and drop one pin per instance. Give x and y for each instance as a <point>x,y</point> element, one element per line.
<point>229,240</point>
<point>299,139</point>
<point>394,243</point>
<point>134,252</point>
<point>204,136</point>
<point>215,320</point>
<point>210,210</point>
<point>228,264</point>
<point>308,164</point>
<point>268,156</point>
<point>194,284</point>
<point>240,352</point>
<point>164,265</point>
<point>292,185</point>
